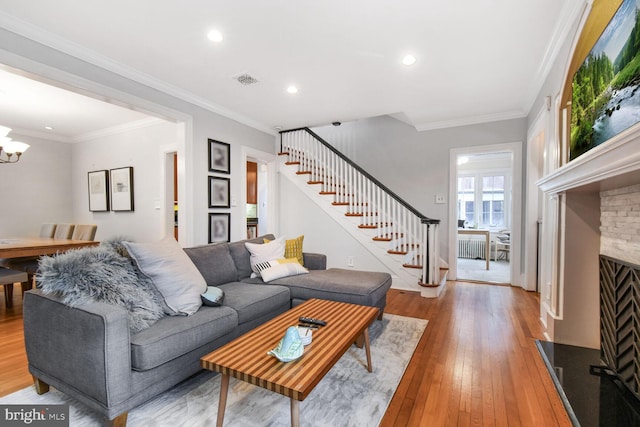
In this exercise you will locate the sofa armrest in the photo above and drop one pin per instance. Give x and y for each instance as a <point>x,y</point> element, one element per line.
<point>82,351</point>
<point>315,261</point>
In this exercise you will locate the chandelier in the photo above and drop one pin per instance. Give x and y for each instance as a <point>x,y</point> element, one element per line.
<point>8,147</point>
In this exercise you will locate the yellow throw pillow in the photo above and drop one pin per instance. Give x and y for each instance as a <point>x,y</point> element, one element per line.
<point>293,248</point>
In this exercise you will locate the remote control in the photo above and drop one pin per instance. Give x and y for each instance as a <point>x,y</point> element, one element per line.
<point>312,321</point>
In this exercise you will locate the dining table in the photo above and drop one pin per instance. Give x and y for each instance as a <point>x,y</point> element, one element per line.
<point>16,247</point>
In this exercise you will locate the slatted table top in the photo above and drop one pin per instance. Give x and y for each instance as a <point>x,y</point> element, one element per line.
<point>246,357</point>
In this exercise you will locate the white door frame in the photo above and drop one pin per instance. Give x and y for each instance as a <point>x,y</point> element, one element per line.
<point>537,137</point>
<point>516,205</point>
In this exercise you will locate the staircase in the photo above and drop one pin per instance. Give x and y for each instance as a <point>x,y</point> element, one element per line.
<point>401,238</point>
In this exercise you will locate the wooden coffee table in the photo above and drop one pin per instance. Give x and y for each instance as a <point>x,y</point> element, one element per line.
<point>246,359</point>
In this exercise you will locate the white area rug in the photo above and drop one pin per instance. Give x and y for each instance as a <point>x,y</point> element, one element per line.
<point>347,396</point>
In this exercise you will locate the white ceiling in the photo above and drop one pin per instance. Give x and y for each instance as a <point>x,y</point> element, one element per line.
<point>28,106</point>
<point>477,60</point>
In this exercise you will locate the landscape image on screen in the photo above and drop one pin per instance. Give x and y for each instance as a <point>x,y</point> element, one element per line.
<point>606,95</point>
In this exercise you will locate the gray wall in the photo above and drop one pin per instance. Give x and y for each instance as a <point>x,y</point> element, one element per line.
<point>37,188</point>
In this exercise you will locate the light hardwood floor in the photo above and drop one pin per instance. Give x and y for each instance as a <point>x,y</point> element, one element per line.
<point>476,364</point>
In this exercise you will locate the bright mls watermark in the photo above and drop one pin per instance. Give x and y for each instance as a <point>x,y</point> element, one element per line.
<point>34,415</point>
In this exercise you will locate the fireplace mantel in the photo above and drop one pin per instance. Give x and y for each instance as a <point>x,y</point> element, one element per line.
<point>616,163</point>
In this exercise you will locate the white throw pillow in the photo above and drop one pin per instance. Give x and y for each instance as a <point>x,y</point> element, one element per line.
<point>172,272</point>
<point>265,252</point>
<point>276,270</point>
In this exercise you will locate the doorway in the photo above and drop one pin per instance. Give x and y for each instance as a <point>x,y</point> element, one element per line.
<point>484,213</point>
<point>261,197</point>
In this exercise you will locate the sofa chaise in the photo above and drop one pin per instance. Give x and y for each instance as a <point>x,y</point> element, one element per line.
<point>90,353</point>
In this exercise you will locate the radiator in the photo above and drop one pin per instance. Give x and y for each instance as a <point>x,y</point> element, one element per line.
<point>471,248</point>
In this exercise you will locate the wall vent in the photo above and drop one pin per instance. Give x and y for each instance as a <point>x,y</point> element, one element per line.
<point>246,79</point>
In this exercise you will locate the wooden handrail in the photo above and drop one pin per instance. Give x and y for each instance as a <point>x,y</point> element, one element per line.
<point>423,218</point>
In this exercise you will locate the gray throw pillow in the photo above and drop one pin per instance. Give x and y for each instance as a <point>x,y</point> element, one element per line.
<point>172,272</point>
<point>214,263</point>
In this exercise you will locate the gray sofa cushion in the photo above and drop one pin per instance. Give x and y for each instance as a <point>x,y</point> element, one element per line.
<point>336,284</point>
<point>252,301</point>
<point>242,257</point>
<point>172,336</point>
<point>214,262</point>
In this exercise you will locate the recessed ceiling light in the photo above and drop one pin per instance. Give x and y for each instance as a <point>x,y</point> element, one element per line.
<point>215,36</point>
<point>292,89</point>
<point>48,127</point>
<point>408,60</point>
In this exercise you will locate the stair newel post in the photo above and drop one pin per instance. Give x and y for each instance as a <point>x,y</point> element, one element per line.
<point>426,250</point>
<point>433,253</point>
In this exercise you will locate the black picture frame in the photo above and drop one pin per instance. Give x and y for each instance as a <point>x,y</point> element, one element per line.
<point>219,192</point>
<point>98,186</point>
<point>219,156</point>
<point>122,189</point>
<point>219,227</point>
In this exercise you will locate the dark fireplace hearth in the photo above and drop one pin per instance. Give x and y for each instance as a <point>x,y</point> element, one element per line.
<point>590,400</point>
<point>602,387</point>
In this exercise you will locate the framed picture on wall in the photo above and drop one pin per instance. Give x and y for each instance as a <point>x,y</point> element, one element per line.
<point>219,192</point>
<point>122,189</point>
<point>604,95</point>
<point>219,227</point>
<point>98,191</point>
<point>219,156</point>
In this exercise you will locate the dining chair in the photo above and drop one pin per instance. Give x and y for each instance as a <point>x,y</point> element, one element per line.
<point>8,277</point>
<point>47,230</point>
<point>29,265</point>
<point>63,231</point>
<point>84,232</point>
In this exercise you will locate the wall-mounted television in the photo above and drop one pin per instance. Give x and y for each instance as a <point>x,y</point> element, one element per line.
<point>606,87</point>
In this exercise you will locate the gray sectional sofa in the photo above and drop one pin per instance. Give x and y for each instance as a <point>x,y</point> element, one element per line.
<point>89,353</point>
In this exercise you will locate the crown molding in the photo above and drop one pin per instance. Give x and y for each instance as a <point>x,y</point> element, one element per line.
<point>569,15</point>
<point>471,120</point>
<point>51,40</point>
<point>41,135</point>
